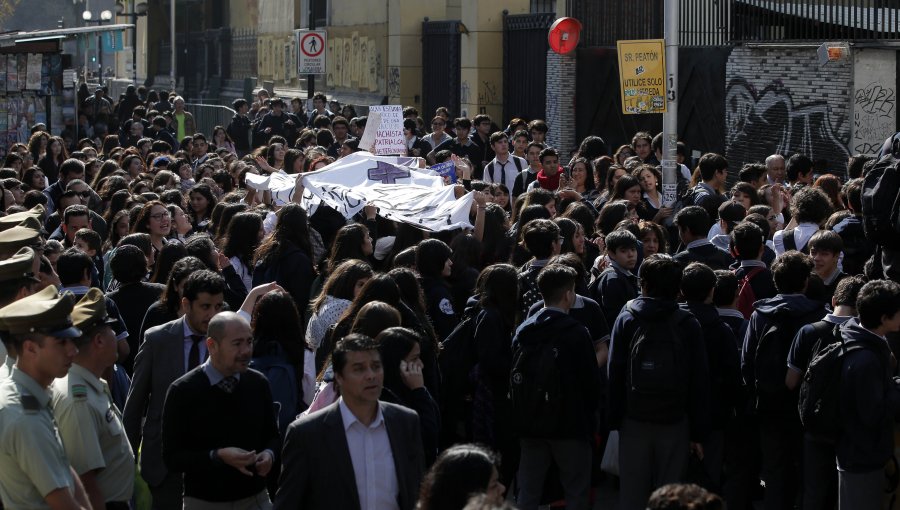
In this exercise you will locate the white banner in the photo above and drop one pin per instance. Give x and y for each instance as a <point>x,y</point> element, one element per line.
<point>401,193</point>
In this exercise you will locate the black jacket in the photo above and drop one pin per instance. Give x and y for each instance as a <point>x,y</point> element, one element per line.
<point>612,289</point>
<point>624,331</point>
<point>796,310</point>
<point>707,254</point>
<point>869,403</point>
<point>577,366</point>
<point>317,471</point>
<point>239,131</point>
<point>439,306</point>
<point>292,269</point>
<point>724,362</point>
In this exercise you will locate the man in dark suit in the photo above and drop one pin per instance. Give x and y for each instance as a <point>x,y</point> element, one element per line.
<point>219,425</point>
<point>358,453</point>
<point>167,353</point>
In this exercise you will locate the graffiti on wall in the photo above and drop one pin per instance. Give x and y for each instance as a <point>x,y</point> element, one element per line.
<point>761,123</point>
<point>394,82</point>
<point>874,118</point>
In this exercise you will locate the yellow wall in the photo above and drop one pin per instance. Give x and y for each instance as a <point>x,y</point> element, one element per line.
<point>244,13</point>
<point>481,79</point>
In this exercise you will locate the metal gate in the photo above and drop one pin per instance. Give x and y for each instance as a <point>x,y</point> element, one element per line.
<point>441,65</point>
<point>525,49</point>
<point>701,103</point>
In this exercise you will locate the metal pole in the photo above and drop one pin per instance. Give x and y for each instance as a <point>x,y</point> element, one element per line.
<point>670,118</point>
<point>311,78</point>
<point>134,19</point>
<point>172,43</point>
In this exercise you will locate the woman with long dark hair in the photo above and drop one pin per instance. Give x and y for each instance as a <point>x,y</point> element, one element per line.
<point>53,158</point>
<point>351,242</point>
<point>434,264</point>
<point>461,471</point>
<point>285,256</point>
<point>341,287</point>
<point>276,333</point>
<point>404,382</point>
<point>245,231</point>
<point>494,315</point>
<point>202,202</point>
<point>168,308</point>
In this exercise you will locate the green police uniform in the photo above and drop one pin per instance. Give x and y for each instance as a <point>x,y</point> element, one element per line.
<point>27,233</point>
<point>12,220</point>
<point>33,462</point>
<point>19,267</point>
<point>89,423</point>
<point>92,432</point>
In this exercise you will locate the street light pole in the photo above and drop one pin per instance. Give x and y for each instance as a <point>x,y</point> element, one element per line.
<point>138,10</point>
<point>105,17</point>
<point>670,117</point>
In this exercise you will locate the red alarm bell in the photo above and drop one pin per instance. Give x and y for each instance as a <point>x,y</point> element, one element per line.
<point>563,36</point>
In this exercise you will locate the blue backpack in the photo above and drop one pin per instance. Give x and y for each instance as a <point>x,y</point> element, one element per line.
<point>283,382</point>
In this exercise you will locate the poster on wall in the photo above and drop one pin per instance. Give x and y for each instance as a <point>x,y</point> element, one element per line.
<point>362,57</point>
<point>338,63</point>
<point>329,64</point>
<point>22,68</point>
<point>348,50</point>
<point>12,74</point>
<point>2,74</point>
<point>354,60</point>
<point>33,71</point>
<point>373,67</point>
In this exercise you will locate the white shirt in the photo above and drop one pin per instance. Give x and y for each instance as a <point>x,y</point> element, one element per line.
<point>504,173</point>
<point>802,233</point>
<point>242,271</point>
<point>189,342</point>
<point>373,461</point>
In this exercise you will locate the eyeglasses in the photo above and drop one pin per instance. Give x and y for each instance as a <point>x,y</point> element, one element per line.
<point>160,216</point>
<point>83,194</point>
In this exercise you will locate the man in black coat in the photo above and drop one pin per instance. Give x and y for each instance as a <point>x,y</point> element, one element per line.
<point>325,463</point>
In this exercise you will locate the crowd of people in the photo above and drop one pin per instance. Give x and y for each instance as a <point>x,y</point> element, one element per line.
<point>156,310</point>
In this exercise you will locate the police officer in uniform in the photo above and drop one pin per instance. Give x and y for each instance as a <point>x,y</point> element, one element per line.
<point>28,233</point>
<point>17,280</point>
<point>89,423</point>
<point>34,467</point>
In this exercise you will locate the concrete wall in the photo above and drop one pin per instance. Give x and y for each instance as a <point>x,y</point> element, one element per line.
<point>874,99</point>
<point>481,79</point>
<point>781,100</point>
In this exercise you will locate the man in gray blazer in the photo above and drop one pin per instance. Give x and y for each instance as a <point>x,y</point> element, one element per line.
<point>167,353</point>
<point>358,453</point>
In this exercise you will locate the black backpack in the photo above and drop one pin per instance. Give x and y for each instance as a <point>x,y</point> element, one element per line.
<point>658,371</point>
<point>819,402</point>
<point>284,383</point>
<point>881,200</point>
<point>770,362</point>
<point>535,388</point>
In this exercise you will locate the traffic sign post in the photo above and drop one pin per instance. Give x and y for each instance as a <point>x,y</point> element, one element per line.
<point>311,51</point>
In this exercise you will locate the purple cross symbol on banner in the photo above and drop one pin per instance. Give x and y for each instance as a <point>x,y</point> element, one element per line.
<point>387,173</point>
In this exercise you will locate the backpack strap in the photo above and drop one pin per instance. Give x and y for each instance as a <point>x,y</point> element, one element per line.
<point>750,275</point>
<point>517,162</point>
<point>788,239</point>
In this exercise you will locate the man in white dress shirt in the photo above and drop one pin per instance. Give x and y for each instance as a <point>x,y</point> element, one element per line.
<point>358,453</point>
